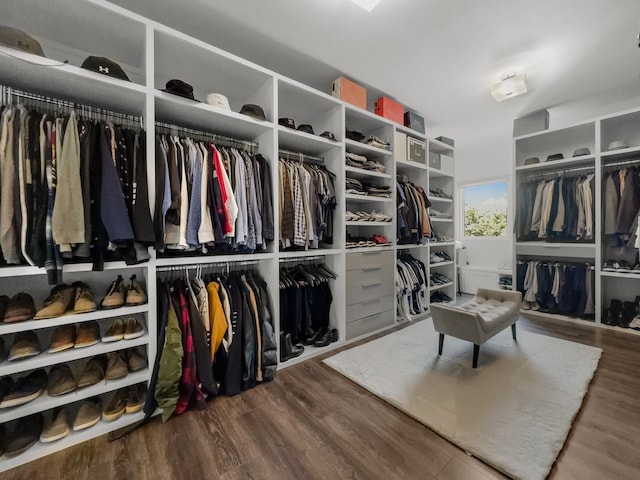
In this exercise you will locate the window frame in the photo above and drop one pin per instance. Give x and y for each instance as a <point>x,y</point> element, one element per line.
<point>461,206</point>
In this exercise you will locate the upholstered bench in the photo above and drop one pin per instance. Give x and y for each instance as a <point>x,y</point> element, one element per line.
<point>476,321</point>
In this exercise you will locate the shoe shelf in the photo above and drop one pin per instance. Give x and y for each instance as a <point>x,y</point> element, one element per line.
<point>436,219</point>
<point>364,149</point>
<point>369,249</point>
<point>366,198</point>
<point>173,109</point>
<point>46,359</point>
<point>406,246</point>
<point>365,173</point>
<point>73,438</point>
<point>45,402</point>
<point>367,224</point>
<point>441,264</point>
<point>297,141</point>
<point>402,164</point>
<point>27,270</point>
<point>441,244</point>
<point>440,199</point>
<point>310,352</point>
<point>6,328</point>
<point>438,287</point>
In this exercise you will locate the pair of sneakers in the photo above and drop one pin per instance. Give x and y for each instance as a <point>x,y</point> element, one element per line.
<point>120,294</point>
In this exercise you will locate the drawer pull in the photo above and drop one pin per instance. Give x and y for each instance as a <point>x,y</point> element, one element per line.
<point>372,268</point>
<point>372,284</point>
<point>364,302</point>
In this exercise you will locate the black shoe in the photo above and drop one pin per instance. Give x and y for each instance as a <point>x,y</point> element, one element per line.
<point>318,334</point>
<point>287,349</point>
<point>329,337</point>
<point>26,432</point>
<point>26,389</point>
<point>628,312</point>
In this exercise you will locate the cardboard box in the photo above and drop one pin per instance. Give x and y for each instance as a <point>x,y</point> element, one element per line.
<point>350,92</point>
<point>414,121</point>
<point>387,108</point>
<point>416,150</point>
<point>434,160</point>
<point>534,122</point>
<point>448,141</point>
<point>400,146</point>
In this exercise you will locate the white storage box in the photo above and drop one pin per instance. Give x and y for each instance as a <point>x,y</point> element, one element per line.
<point>400,146</point>
<point>446,163</point>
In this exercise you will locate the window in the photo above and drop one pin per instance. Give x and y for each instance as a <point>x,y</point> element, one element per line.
<point>485,209</point>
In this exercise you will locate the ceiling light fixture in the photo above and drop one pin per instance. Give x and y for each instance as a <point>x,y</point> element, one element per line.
<point>510,86</point>
<point>368,5</point>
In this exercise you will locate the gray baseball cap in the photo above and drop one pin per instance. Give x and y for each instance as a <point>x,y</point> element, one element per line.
<point>14,38</point>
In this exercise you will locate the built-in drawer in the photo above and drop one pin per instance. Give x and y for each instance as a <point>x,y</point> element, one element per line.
<point>370,324</point>
<point>370,307</point>
<point>383,273</point>
<point>368,259</point>
<point>373,288</point>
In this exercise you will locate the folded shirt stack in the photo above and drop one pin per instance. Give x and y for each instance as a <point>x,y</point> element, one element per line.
<point>355,160</point>
<point>382,191</point>
<point>354,186</point>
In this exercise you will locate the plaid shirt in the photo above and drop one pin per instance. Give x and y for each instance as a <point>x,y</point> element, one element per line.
<point>190,393</point>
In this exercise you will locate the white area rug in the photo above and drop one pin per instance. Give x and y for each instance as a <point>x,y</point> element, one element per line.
<point>514,411</point>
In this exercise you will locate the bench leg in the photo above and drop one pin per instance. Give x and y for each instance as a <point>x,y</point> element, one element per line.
<point>476,351</point>
<point>440,343</point>
<point>513,331</point>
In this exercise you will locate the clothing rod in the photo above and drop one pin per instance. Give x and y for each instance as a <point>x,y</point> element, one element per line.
<point>12,92</point>
<point>213,136</point>
<point>194,266</point>
<point>302,259</point>
<point>301,156</point>
<point>560,172</point>
<point>626,162</point>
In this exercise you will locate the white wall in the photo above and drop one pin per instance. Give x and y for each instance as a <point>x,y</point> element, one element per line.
<point>485,159</point>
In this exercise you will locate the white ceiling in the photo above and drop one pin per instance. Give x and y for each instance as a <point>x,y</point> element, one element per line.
<point>439,57</point>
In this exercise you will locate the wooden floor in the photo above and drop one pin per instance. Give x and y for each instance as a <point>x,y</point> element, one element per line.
<point>312,423</point>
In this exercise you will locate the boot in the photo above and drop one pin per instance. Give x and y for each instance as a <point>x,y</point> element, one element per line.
<point>287,349</point>
<point>628,312</point>
<point>615,312</point>
<point>607,317</point>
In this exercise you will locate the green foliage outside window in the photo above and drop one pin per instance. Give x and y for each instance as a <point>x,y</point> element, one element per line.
<point>479,223</point>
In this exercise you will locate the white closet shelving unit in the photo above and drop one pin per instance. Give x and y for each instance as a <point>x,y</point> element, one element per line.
<point>151,54</point>
<point>595,134</point>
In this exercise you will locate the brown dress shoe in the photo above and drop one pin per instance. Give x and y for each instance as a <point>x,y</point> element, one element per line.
<point>87,334</point>
<point>94,371</point>
<point>114,297</point>
<point>117,366</point>
<point>63,338</point>
<point>135,361</point>
<point>88,414</point>
<point>136,396</point>
<point>20,307</point>
<point>25,345</point>
<point>25,434</point>
<point>61,381</point>
<point>115,331</point>
<point>116,406</point>
<point>58,428</point>
<point>133,329</point>
<point>135,293</point>
<point>59,301</point>
<point>85,302</point>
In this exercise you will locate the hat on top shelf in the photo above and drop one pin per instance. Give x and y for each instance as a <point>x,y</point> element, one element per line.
<point>253,111</point>
<point>618,145</point>
<point>581,151</point>
<point>531,160</point>
<point>218,100</point>
<point>306,128</point>
<point>180,88</point>
<point>19,40</point>
<point>555,156</point>
<point>104,66</point>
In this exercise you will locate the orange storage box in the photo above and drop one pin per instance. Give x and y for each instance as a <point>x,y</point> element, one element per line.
<point>387,108</point>
<point>350,92</point>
